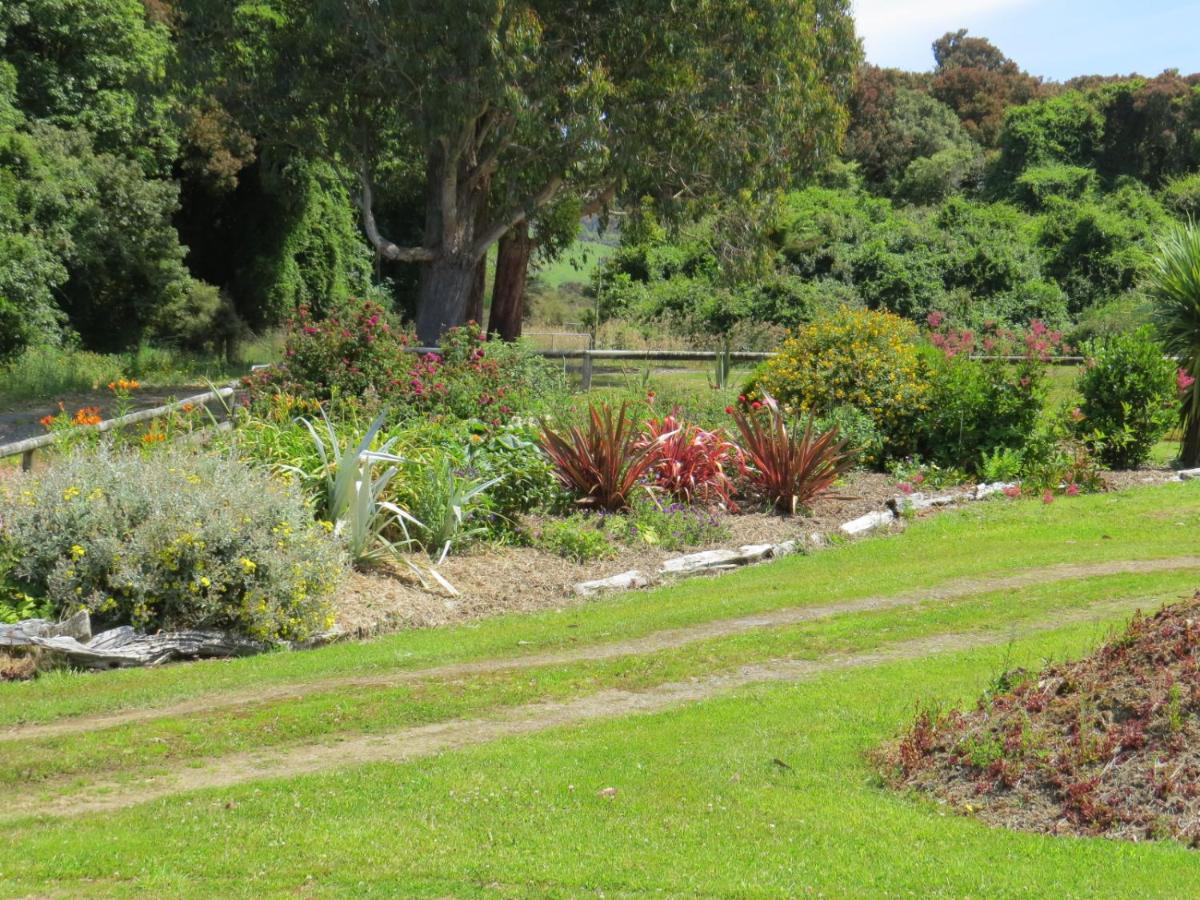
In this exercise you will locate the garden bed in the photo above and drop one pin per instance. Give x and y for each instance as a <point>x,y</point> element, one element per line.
<point>1107,745</point>
<point>494,580</point>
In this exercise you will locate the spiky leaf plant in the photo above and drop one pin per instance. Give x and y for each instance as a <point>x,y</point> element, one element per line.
<point>1175,285</point>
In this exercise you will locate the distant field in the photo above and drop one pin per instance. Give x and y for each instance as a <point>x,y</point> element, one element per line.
<point>576,265</point>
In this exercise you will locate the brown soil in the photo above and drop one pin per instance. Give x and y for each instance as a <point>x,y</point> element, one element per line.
<point>652,643</point>
<point>1108,745</point>
<point>67,799</point>
<point>494,580</point>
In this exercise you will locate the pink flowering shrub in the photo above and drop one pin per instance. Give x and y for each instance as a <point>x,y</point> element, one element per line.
<point>353,353</point>
<point>978,406</point>
<point>356,356</point>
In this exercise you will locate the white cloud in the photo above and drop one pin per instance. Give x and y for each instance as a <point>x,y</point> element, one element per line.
<point>899,32</point>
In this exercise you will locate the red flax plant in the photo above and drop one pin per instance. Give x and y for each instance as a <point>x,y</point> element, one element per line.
<point>690,464</point>
<point>789,470</point>
<point>602,462</point>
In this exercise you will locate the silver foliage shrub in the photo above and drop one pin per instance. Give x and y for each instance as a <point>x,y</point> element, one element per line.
<point>171,540</point>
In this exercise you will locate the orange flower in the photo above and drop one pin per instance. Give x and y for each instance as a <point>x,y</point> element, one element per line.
<point>153,437</point>
<point>46,421</point>
<point>88,415</point>
<point>123,384</point>
<point>188,407</point>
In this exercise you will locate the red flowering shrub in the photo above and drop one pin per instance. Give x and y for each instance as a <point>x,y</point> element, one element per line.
<point>357,355</point>
<point>353,353</point>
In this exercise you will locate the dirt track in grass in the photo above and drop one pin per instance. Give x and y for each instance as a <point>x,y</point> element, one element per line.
<point>68,798</point>
<point>651,643</point>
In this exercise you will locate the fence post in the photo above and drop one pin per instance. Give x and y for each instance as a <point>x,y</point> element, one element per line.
<point>585,377</point>
<point>26,460</point>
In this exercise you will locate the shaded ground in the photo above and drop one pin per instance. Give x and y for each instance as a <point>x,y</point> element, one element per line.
<point>1107,745</point>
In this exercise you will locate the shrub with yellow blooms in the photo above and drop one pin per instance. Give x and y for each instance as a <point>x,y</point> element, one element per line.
<point>172,540</point>
<point>861,358</point>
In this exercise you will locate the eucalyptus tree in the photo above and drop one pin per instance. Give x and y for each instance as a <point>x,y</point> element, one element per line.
<point>511,105</point>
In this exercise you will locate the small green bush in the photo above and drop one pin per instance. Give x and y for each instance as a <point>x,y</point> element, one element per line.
<point>575,537</point>
<point>170,540</point>
<point>857,429</point>
<point>1130,398</point>
<point>977,407</point>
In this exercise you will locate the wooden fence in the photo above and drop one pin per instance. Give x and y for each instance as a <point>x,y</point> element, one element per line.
<point>26,448</point>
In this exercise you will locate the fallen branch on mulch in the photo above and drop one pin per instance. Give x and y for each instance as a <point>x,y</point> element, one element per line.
<point>1108,745</point>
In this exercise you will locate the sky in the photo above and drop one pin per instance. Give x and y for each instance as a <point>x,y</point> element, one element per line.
<point>1056,39</point>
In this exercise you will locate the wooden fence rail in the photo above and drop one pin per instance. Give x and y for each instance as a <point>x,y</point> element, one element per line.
<point>26,448</point>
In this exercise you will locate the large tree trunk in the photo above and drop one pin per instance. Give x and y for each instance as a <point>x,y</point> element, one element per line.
<point>508,289</point>
<point>443,298</point>
<point>475,303</point>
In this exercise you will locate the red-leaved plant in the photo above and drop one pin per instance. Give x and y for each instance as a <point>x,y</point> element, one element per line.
<point>690,464</point>
<point>789,470</point>
<point>602,462</point>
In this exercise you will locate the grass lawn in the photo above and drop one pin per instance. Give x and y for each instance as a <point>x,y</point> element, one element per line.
<point>759,789</point>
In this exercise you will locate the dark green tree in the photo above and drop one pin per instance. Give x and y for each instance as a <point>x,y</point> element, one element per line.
<point>510,104</point>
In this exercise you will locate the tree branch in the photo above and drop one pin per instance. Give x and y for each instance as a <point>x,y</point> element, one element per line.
<point>517,214</point>
<point>382,245</point>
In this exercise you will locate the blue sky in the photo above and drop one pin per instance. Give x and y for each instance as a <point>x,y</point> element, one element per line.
<point>1055,39</point>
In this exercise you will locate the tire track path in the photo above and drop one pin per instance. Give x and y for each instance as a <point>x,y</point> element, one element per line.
<point>412,743</point>
<point>654,642</point>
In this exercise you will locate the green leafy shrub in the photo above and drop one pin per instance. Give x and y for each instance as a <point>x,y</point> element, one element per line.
<point>522,475</point>
<point>855,357</point>
<point>1130,398</point>
<point>977,407</point>
<point>172,540</point>
<point>857,429</point>
<point>576,537</point>
<point>1181,196</point>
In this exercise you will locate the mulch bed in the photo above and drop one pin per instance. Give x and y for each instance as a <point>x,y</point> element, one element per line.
<point>496,580</point>
<point>1108,745</point>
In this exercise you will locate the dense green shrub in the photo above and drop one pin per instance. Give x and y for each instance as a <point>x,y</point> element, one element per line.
<point>1130,398</point>
<point>1181,196</point>
<point>857,429</point>
<point>171,540</point>
<point>977,407</point>
<point>1036,185</point>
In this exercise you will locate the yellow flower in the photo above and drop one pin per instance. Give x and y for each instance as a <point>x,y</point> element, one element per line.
<point>77,552</point>
<point>248,565</point>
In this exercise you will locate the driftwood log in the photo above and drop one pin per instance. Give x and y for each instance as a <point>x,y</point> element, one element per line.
<point>73,642</point>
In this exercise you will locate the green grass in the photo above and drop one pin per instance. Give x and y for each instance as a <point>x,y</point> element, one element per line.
<point>142,747</point>
<point>573,266</point>
<point>1144,524</point>
<point>700,806</point>
<point>46,372</point>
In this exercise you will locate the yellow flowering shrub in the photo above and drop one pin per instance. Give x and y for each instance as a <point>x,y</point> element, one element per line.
<point>854,357</point>
<point>174,540</point>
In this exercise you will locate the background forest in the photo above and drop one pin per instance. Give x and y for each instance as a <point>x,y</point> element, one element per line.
<point>142,204</point>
